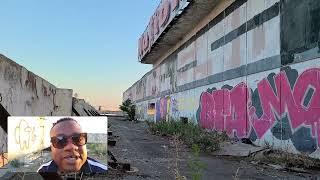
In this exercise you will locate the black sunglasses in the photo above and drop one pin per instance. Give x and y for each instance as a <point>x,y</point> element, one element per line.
<point>60,142</point>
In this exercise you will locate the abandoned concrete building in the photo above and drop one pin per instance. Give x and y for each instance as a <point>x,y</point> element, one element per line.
<point>247,67</point>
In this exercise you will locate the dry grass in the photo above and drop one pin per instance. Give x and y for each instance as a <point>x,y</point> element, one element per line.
<point>286,159</point>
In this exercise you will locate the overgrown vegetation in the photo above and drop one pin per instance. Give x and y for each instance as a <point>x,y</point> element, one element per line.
<point>191,134</point>
<point>128,107</point>
<point>97,148</point>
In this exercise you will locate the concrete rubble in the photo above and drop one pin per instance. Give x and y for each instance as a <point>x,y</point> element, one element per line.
<point>237,149</point>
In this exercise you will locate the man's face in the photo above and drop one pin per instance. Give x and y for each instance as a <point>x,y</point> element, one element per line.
<point>71,157</point>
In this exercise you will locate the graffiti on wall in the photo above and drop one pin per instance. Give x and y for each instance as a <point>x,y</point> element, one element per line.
<point>187,103</point>
<point>141,111</point>
<point>287,104</point>
<point>163,107</point>
<point>164,14</point>
<point>28,135</point>
<point>166,108</point>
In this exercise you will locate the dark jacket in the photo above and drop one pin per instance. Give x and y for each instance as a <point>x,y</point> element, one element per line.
<point>91,166</point>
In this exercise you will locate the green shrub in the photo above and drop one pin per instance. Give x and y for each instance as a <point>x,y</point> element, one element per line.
<point>128,107</point>
<point>190,133</point>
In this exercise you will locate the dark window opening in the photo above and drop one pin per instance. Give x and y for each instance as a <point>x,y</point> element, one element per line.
<point>151,108</point>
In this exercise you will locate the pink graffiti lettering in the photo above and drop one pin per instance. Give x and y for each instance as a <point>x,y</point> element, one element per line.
<point>225,110</point>
<point>157,24</point>
<point>164,13</point>
<point>207,113</point>
<point>233,112</point>
<point>236,111</point>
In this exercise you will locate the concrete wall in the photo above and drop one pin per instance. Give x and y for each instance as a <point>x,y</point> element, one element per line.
<point>252,71</point>
<point>81,108</point>
<point>23,93</point>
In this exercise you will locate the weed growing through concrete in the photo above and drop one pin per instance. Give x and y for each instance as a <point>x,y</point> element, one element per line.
<point>177,144</point>
<point>195,165</point>
<point>236,176</point>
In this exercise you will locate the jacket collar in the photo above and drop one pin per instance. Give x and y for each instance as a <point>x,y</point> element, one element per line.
<point>86,168</point>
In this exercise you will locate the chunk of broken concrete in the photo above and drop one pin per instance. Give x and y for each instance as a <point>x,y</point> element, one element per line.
<point>236,149</point>
<point>276,166</point>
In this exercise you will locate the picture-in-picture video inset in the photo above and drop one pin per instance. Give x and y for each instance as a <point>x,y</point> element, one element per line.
<point>58,144</point>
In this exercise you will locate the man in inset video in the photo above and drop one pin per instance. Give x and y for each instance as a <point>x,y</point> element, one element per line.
<point>69,151</point>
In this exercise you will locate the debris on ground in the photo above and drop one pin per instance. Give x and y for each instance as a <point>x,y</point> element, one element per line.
<point>282,160</point>
<point>237,149</point>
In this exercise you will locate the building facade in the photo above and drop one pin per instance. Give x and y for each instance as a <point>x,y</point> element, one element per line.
<point>247,67</point>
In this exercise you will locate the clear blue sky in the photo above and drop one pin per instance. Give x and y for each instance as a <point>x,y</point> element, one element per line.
<point>87,46</point>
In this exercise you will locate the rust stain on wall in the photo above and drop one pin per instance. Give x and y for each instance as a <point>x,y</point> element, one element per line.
<point>45,91</point>
<point>12,74</point>
<point>31,82</point>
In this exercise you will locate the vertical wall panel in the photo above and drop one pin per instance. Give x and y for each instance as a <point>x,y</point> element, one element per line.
<point>215,57</point>
<point>235,50</point>
<point>201,46</point>
<point>236,18</point>
<point>186,60</point>
<point>264,40</point>
<point>235,53</point>
<point>255,7</point>
<point>164,83</point>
